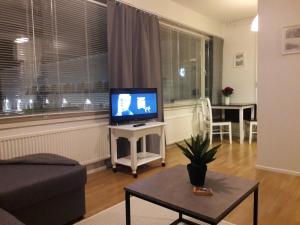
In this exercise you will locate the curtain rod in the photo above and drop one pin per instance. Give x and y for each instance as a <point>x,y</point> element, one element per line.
<point>166,21</point>
<point>185,30</point>
<point>98,3</point>
<point>143,10</point>
<point>170,22</point>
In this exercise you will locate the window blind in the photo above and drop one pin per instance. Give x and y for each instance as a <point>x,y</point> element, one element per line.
<point>181,64</point>
<point>53,56</point>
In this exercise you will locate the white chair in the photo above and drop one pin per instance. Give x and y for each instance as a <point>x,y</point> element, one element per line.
<point>209,124</point>
<point>251,124</point>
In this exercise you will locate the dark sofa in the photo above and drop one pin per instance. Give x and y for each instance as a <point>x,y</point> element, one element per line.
<point>8,219</point>
<point>43,189</point>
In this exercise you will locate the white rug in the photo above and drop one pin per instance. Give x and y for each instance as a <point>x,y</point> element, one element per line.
<point>142,213</point>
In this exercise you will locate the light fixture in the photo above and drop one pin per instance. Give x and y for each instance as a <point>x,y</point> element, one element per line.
<point>88,102</point>
<point>64,101</point>
<point>47,101</point>
<point>30,103</point>
<point>254,24</point>
<point>182,72</point>
<point>19,105</point>
<point>21,40</point>
<point>6,105</point>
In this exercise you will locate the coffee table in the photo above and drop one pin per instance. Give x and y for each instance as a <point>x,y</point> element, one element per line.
<point>171,189</point>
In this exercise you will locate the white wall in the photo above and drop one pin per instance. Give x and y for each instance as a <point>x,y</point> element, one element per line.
<point>278,89</point>
<point>239,38</point>
<point>176,12</point>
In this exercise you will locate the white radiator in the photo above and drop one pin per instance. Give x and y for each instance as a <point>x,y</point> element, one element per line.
<point>181,127</point>
<point>86,144</point>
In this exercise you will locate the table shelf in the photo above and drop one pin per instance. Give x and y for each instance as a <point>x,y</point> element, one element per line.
<point>142,158</point>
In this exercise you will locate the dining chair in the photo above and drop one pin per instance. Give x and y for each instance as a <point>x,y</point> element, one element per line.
<point>212,126</point>
<point>251,124</point>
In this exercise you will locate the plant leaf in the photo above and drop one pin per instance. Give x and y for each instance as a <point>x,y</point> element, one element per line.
<point>188,144</point>
<point>193,143</point>
<point>204,146</point>
<point>197,150</point>
<point>210,160</point>
<point>186,152</point>
<point>209,155</point>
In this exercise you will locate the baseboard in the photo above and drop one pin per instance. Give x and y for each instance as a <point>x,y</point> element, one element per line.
<point>97,166</point>
<point>90,171</point>
<point>278,170</point>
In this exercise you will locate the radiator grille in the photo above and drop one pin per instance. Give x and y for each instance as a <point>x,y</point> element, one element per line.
<point>87,144</point>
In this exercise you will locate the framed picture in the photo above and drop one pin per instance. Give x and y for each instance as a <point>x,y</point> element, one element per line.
<point>239,59</point>
<point>291,40</point>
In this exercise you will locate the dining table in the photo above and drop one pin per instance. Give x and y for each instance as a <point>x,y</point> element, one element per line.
<point>240,107</point>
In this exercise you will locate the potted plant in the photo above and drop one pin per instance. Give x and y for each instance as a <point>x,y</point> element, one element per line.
<point>200,155</point>
<point>227,92</point>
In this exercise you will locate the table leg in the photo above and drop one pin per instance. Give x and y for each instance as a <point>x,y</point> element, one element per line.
<point>127,207</point>
<point>223,114</point>
<point>114,151</point>
<point>255,209</point>
<point>162,146</point>
<point>241,123</point>
<point>144,144</point>
<point>133,152</point>
<point>252,113</point>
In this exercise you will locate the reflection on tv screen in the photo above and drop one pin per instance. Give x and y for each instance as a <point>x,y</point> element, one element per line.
<point>130,104</point>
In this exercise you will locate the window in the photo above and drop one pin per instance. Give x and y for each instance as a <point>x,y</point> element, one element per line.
<point>53,56</point>
<point>181,64</point>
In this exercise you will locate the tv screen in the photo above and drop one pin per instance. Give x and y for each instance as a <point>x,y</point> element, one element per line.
<point>133,104</point>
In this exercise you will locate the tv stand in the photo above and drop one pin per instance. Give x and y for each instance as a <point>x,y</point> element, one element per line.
<point>133,134</point>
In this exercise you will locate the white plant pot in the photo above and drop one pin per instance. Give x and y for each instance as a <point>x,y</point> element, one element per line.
<point>227,100</point>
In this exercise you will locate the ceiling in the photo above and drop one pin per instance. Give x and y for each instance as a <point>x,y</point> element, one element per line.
<point>222,10</point>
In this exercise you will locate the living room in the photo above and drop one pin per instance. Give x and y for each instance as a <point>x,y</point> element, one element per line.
<point>61,61</point>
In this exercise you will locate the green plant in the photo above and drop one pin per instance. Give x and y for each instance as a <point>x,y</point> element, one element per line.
<point>198,150</point>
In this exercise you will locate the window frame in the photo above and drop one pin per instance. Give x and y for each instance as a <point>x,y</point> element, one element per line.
<point>202,72</point>
<point>51,116</point>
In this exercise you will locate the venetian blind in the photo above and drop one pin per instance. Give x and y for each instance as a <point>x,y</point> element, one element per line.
<point>181,64</point>
<point>53,56</point>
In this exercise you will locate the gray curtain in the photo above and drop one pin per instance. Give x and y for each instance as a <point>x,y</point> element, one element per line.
<point>134,53</point>
<point>217,59</point>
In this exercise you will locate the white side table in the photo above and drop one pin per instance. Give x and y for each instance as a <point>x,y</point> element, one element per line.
<point>133,134</point>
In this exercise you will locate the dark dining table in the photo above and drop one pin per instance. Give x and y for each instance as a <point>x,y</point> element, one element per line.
<point>241,107</point>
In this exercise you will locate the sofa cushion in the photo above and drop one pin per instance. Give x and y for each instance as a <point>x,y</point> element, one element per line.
<point>28,180</point>
<point>40,159</point>
<point>8,219</point>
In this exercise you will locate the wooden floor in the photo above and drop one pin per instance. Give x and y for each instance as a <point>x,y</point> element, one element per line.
<point>279,197</point>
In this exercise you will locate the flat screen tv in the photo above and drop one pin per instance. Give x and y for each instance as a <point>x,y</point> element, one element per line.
<point>133,104</point>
